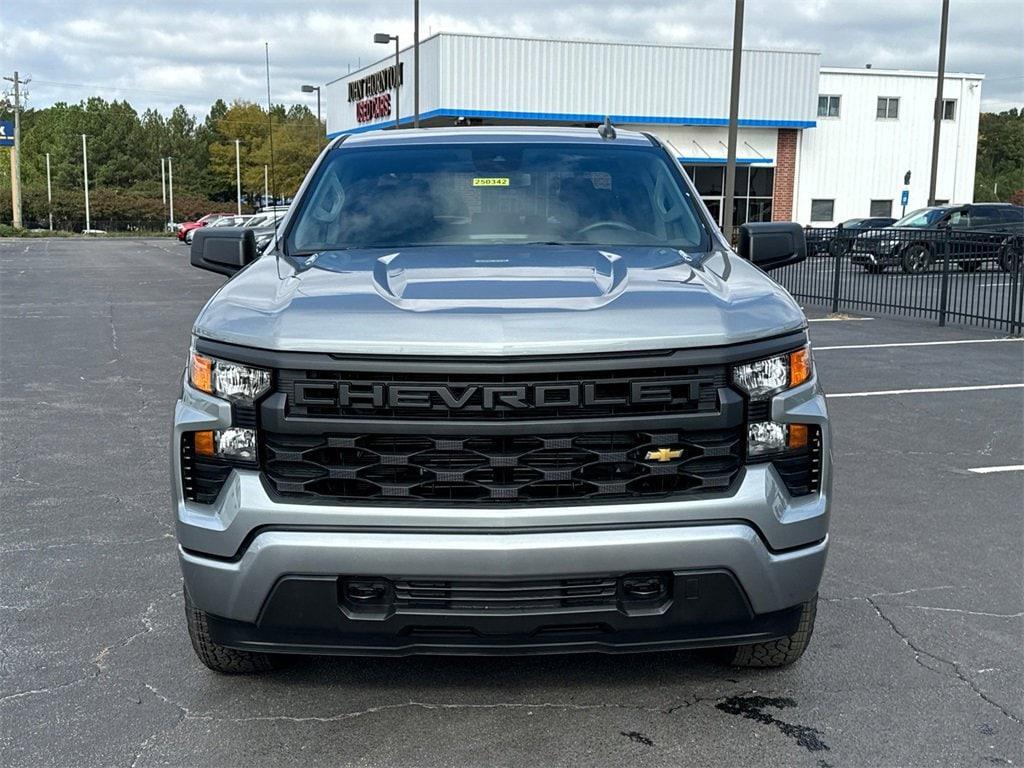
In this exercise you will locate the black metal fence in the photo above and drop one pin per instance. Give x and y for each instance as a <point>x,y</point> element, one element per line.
<point>956,277</point>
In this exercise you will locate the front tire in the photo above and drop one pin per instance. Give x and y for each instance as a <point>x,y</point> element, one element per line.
<point>227,661</point>
<point>916,259</point>
<point>781,652</point>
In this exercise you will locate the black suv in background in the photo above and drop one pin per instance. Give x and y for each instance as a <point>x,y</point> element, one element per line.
<point>969,235</point>
<point>836,240</point>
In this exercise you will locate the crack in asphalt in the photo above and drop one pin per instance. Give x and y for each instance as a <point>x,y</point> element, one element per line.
<point>958,673</point>
<point>443,706</point>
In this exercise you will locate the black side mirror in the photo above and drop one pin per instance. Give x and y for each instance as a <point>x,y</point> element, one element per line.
<point>771,246</point>
<point>223,249</point>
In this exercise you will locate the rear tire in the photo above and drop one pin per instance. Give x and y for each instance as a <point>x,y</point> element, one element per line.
<point>227,661</point>
<point>1009,257</point>
<point>781,652</point>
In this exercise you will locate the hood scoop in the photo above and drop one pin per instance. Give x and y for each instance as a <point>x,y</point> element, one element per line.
<point>575,279</point>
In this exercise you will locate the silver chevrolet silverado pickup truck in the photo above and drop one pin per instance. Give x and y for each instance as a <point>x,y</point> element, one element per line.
<point>499,390</point>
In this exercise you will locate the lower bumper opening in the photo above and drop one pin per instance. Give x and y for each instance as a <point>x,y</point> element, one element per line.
<point>609,613</point>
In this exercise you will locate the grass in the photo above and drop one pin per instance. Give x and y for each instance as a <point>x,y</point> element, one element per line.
<point>6,230</point>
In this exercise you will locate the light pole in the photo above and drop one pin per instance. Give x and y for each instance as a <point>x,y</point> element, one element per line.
<point>416,63</point>
<point>734,114</point>
<point>940,81</point>
<point>310,89</point>
<point>384,38</point>
<point>163,182</point>
<point>170,189</point>
<point>238,177</point>
<point>49,191</point>
<point>85,179</point>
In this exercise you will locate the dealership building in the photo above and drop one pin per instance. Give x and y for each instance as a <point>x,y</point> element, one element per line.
<point>816,144</point>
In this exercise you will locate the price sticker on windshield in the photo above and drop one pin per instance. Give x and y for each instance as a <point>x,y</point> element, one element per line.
<point>491,181</point>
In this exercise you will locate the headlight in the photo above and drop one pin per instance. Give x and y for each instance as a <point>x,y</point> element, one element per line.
<point>231,381</point>
<point>774,374</point>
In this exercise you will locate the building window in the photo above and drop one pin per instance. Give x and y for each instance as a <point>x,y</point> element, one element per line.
<point>881,208</point>
<point>949,109</point>
<point>821,210</point>
<point>888,108</point>
<point>828,106</point>
<point>752,193</point>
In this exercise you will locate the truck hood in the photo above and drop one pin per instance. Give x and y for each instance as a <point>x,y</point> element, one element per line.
<point>498,300</point>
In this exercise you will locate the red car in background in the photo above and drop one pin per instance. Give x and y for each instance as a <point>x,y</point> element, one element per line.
<point>187,226</point>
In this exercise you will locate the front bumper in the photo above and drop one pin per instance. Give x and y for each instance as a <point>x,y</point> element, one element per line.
<point>285,593</point>
<point>270,573</point>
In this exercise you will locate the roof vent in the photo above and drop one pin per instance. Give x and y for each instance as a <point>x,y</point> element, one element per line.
<point>606,131</point>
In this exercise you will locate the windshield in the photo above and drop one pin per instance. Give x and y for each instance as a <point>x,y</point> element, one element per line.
<point>490,194</point>
<point>922,218</point>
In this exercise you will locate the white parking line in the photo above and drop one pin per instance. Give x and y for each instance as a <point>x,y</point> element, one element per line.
<point>917,344</point>
<point>837,319</point>
<point>927,390</point>
<point>989,470</point>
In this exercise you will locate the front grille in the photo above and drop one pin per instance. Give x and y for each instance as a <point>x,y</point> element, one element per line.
<point>315,394</point>
<point>499,469</point>
<point>802,473</point>
<point>505,596</point>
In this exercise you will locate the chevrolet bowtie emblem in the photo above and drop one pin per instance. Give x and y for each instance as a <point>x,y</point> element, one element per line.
<point>664,454</point>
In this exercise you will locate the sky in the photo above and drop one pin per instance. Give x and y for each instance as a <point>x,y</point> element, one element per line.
<point>159,54</point>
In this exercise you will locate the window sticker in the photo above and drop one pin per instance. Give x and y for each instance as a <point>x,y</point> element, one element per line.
<point>490,181</point>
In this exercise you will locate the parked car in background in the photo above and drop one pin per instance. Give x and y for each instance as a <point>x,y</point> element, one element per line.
<point>968,234</point>
<point>187,226</point>
<point>231,221</point>
<point>820,239</point>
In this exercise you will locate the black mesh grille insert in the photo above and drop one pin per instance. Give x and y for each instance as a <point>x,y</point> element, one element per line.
<point>802,472</point>
<point>201,477</point>
<point>501,469</point>
<point>505,596</point>
<point>494,397</point>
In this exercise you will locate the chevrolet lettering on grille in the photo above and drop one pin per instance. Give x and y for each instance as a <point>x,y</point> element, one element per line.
<point>371,395</point>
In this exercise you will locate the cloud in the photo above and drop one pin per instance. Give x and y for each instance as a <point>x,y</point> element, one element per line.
<point>159,54</point>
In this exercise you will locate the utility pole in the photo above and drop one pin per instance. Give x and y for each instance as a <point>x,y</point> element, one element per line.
<point>163,182</point>
<point>16,153</point>
<point>938,102</point>
<point>734,113</point>
<point>170,188</point>
<point>416,63</point>
<point>49,192</point>
<point>238,178</point>
<point>266,187</point>
<point>85,179</point>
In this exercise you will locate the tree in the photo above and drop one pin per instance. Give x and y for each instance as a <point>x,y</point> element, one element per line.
<point>1000,168</point>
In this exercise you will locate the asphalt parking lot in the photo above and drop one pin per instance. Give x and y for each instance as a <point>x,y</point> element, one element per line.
<point>917,657</point>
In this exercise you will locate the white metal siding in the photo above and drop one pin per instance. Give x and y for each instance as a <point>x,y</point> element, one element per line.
<point>556,77</point>
<point>856,158</point>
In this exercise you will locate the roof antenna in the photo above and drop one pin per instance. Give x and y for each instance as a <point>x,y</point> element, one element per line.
<point>606,130</point>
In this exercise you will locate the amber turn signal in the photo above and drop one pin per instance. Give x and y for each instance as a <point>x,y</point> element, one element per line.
<point>200,372</point>
<point>203,442</point>
<point>799,366</point>
<point>797,436</point>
